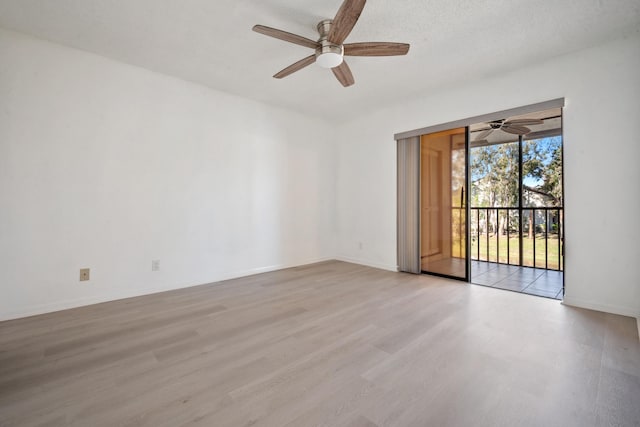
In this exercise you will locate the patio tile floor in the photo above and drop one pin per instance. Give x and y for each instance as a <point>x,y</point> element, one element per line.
<point>528,280</point>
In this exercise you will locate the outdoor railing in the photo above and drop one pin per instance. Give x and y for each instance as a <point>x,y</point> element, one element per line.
<point>534,240</point>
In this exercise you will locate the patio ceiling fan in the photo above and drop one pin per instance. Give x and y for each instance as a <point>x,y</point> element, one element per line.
<point>330,49</point>
<point>515,126</point>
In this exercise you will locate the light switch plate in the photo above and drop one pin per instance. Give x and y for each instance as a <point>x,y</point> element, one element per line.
<point>84,274</point>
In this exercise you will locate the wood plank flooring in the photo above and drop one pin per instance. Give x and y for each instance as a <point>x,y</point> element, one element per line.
<point>330,344</point>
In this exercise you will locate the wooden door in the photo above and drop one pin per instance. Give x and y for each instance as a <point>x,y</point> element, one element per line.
<point>442,212</point>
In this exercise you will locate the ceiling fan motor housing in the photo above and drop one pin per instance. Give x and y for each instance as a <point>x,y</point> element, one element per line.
<point>328,55</point>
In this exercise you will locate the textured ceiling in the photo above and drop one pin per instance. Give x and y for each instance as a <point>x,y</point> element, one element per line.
<point>210,41</point>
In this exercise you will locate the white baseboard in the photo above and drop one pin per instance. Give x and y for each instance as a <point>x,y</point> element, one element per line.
<point>607,308</point>
<point>131,293</point>
<point>75,303</point>
<point>368,263</point>
<point>266,269</point>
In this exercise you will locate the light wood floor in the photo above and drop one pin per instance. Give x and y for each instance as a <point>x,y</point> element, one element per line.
<point>331,344</point>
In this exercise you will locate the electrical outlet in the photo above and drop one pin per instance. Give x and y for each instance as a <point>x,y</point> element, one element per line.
<point>84,274</point>
<point>155,265</point>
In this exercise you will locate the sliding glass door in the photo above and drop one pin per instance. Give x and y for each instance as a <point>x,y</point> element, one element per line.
<point>443,215</point>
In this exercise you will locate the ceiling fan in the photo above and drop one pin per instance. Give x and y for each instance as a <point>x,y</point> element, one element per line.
<point>329,48</point>
<point>515,126</point>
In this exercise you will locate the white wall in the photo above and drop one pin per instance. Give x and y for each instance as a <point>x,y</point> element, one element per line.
<point>109,166</point>
<point>602,172</point>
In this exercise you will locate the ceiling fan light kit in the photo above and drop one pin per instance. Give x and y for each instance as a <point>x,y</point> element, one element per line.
<point>330,49</point>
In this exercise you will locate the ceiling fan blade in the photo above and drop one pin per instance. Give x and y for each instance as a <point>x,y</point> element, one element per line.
<point>516,130</point>
<point>296,66</point>
<point>283,35</point>
<point>524,122</point>
<point>345,20</point>
<point>376,49</point>
<point>343,74</point>
<point>484,134</point>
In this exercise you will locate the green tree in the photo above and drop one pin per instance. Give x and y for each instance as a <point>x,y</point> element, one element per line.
<point>495,180</point>
<point>552,176</point>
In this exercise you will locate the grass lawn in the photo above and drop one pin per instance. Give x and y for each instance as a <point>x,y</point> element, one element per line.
<point>552,250</point>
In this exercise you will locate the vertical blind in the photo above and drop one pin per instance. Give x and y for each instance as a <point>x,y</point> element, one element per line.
<point>409,205</point>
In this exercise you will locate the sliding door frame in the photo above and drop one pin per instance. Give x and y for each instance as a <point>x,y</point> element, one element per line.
<point>465,123</point>
<point>467,201</point>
